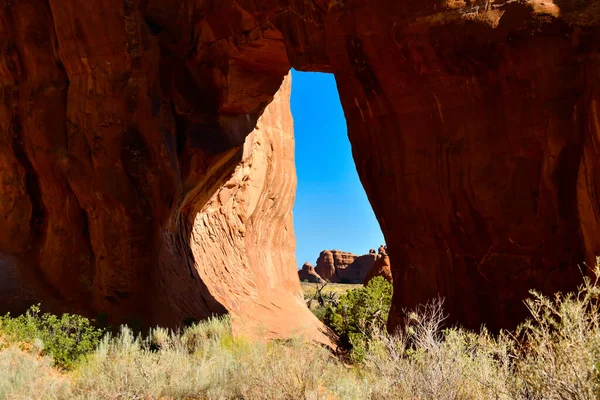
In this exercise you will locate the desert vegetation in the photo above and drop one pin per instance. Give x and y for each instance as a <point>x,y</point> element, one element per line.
<point>553,355</point>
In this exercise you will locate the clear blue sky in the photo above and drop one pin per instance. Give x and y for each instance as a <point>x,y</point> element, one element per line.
<point>332,210</point>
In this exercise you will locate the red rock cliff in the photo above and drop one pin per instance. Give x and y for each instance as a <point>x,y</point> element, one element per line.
<point>474,127</point>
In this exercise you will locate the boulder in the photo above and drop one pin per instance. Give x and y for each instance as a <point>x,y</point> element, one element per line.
<point>308,274</point>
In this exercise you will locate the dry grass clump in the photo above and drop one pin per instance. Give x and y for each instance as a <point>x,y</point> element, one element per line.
<point>559,350</point>
<point>553,355</point>
<point>422,361</point>
<point>24,375</point>
<point>338,289</point>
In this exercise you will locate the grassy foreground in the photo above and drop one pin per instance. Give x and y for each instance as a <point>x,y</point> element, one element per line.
<point>556,356</point>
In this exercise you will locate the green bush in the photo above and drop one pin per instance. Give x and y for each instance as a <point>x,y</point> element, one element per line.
<point>66,339</point>
<point>360,314</point>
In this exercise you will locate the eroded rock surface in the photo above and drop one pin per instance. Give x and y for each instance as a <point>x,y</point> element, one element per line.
<point>474,127</point>
<point>330,261</point>
<point>381,267</point>
<point>338,266</point>
<point>308,274</point>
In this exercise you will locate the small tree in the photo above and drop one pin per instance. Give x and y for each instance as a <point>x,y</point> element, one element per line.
<point>360,314</point>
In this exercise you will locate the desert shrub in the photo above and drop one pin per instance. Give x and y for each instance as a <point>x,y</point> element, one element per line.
<point>66,339</point>
<point>424,361</point>
<point>558,348</point>
<point>555,354</point>
<point>293,369</point>
<point>360,314</point>
<point>127,366</point>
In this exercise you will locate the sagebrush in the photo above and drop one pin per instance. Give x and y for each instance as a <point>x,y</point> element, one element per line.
<point>553,355</point>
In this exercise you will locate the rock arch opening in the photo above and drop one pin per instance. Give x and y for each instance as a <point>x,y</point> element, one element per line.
<point>123,123</point>
<point>331,210</point>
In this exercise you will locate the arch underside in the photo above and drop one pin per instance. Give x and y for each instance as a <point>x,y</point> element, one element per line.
<point>146,151</point>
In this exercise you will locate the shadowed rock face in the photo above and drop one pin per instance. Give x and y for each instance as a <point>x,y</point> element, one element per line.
<point>474,126</point>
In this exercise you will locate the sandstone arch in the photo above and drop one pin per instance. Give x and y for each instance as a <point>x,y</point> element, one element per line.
<point>123,123</point>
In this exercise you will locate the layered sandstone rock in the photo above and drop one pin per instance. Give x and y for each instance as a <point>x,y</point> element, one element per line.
<point>342,267</point>
<point>381,267</point>
<point>330,261</point>
<point>119,194</point>
<point>308,274</point>
<point>358,270</point>
<point>474,127</point>
<point>242,239</point>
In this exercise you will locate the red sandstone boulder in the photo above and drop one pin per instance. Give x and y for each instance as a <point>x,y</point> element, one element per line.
<point>330,261</point>
<point>308,274</point>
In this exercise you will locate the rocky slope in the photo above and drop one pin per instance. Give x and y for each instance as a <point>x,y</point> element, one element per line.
<point>474,127</point>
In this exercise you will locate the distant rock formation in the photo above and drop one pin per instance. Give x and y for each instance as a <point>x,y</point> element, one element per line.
<point>381,267</point>
<point>338,266</point>
<point>308,274</point>
<point>330,260</point>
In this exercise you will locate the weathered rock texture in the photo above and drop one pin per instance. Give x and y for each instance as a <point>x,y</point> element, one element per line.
<point>242,239</point>
<point>342,267</point>
<point>115,196</point>
<point>474,125</point>
<point>330,260</point>
<point>308,274</point>
<point>381,267</point>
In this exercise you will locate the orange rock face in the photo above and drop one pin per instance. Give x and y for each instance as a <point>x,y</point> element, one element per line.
<point>126,189</point>
<point>127,170</point>
<point>382,267</point>
<point>308,274</point>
